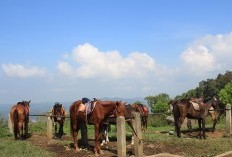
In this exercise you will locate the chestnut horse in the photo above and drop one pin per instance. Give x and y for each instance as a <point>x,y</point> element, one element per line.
<point>144,111</point>
<point>183,108</point>
<point>19,115</point>
<point>100,113</point>
<point>58,116</point>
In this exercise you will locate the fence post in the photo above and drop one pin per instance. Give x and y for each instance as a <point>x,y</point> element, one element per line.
<point>138,141</point>
<point>228,120</point>
<point>121,136</point>
<point>10,125</point>
<point>49,126</point>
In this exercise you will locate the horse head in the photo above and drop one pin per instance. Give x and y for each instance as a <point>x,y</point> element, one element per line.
<point>26,103</point>
<point>58,111</point>
<point>120,108</point>
<point>213,102</point>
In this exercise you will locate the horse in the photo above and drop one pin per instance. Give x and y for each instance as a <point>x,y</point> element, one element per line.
<point>212,112</point>
<point>58,117</point>
<point>184,108</point>
<point>100,113</point>
<point>112,120</point>
<point>144,111</point>
<point>19,115</point>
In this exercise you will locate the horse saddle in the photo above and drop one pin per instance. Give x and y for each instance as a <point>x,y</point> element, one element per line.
<point>88,107</point>
<point>196,106</point>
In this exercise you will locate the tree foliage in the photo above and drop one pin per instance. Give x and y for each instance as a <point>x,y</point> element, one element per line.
<point>225,94</point>
<point>209,87</point>
<point>158,103</point>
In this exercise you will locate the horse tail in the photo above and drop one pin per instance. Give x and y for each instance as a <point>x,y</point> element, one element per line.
<point>71,126</point>
<point>72,118</point>
<point>15,123</point>
<point>175,110</point>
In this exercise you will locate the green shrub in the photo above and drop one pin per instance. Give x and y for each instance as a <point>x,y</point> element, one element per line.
<point>157,120</point>
<point>3,128</point>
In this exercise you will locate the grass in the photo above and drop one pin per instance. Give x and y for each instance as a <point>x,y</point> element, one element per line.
<point>158,136</point>
<point>11,148</point>
<point>15,148</point>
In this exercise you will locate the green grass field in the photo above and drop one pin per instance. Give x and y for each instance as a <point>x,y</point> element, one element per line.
<point>158,135</point>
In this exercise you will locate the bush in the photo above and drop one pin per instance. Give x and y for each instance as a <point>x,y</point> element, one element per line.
<point>157,120</point>
<point>3,128</point>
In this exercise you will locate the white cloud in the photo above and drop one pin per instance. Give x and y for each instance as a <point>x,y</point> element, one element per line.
<point>17,70</point>
<point>198,59</point>
<point>209,53</point>
<point>92,63</point>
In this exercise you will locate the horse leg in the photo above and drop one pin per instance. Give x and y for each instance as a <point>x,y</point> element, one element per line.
<point>97,149</point>
<point>20,131</point>
<point>200,128</point>
<point>178,124</point>
<point>55,128</point>
<point>107,134</point>
<point>104,134</point>
<point>60,129</point>
<point>214,119</point>
<point>75,135</point>
<point>189,125</point>
<point>203,128</point>
<point>16,131</point>
<point>26,129</point>
<point>146,123</point>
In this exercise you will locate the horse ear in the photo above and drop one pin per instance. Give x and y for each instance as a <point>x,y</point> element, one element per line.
<point>29,101</point>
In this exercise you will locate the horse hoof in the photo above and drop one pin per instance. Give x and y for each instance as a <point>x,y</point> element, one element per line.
<point>96,154</point>
<point>76,149</point>
<point>101,152</point>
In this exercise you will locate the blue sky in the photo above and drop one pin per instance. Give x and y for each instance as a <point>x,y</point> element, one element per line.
<point>65,50</point>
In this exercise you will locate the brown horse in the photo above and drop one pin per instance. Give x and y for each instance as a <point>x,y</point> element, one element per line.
<point>19,115</point>
<point>100,113</point>
<point>144,112</point>
<point>58,116</point>
<point>212,112</point>
<point>184,108</point>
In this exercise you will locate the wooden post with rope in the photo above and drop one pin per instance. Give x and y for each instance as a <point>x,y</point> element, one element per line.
<point>138,140</point>
<point>10,126</point>
<point>228,121</point>
<point>121,136</point>
<point>49,126</point>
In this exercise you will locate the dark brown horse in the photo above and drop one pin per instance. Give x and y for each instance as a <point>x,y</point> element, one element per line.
<point>184,108</point>
<point>144,112</point>
<point>113,120</point>
<point>100,113</point>
<point>58,116</point>
<point>19,115</point>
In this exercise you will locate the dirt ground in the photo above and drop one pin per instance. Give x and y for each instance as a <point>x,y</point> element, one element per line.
<point>63,148</point>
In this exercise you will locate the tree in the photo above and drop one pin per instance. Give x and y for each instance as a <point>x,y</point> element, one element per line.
<point>158,103</point>
<point>225,94</point>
